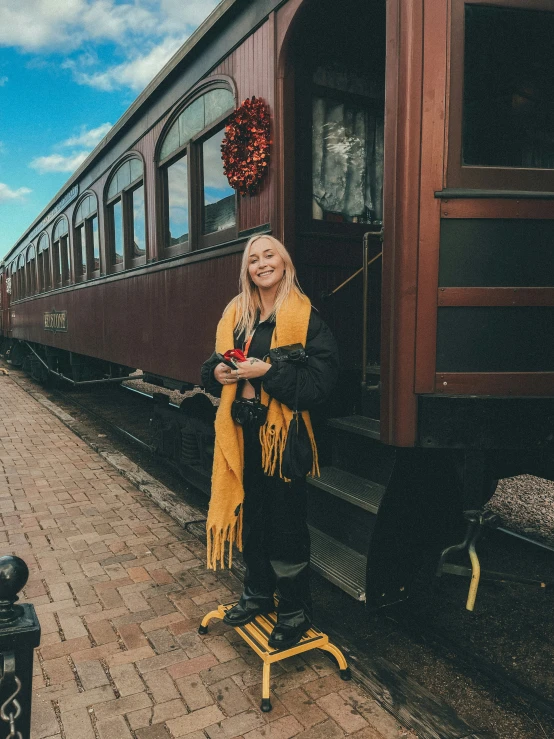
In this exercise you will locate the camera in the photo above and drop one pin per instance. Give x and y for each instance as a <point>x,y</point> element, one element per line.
<point>248,411</point>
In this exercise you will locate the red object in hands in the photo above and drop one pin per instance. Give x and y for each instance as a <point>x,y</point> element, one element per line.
<point>235,354</point>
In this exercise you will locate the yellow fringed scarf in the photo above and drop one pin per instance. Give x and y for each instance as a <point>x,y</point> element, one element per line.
<point>224,522</point>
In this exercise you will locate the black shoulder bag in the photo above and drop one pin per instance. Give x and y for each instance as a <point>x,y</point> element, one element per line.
<point>298,455</point>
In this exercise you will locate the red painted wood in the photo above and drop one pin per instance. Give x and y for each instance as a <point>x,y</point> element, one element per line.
<point>162,321</point>
<point>497,208</point>
<point>432,164</point>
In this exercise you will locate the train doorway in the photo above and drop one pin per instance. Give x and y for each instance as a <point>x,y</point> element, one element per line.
<point>334,102</point>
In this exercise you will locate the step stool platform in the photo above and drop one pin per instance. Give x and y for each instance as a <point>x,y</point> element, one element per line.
<point>256,635</point>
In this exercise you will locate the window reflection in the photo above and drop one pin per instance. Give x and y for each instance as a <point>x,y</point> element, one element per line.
<point>117,220</point>
<point>508,107</point>
<point>219,197</point>
<point>95,244</point>
<point>139,226</point>
<point>178,202</point>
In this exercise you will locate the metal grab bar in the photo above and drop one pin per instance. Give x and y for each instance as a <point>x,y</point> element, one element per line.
<point>365,299</point>
<point>356,273</point>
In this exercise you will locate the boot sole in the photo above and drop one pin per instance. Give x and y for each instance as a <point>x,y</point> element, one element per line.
<point>247,620</point>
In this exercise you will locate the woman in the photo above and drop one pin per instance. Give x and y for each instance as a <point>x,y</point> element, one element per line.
<point>252,504</point>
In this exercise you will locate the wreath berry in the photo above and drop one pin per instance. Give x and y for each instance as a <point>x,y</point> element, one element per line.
<point>245,148</point>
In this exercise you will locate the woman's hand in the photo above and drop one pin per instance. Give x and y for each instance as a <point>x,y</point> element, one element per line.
<point>225,374</point>
<point>251,368</point>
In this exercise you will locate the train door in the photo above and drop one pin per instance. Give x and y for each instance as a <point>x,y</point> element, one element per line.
<point>336,65</point>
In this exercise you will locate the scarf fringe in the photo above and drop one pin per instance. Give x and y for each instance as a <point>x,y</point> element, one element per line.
<point>273,447</point>
<point>218,538</point>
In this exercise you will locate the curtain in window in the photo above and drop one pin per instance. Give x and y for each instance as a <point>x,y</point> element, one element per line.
<point>347,161</point>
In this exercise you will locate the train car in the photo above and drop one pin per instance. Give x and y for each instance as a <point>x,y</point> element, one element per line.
<point>411,174</point>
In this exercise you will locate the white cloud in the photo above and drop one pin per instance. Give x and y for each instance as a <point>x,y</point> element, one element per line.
<point>6,193</point>
<point>59,163</point>
<point>88,139</point>
<point>3,81</point>
<point>135,73</point>
<point>51,25</point>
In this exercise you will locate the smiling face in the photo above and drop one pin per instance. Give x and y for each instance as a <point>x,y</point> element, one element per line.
<point>265,265</point>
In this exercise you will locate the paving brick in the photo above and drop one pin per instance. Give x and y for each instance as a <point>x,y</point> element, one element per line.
<point>77,724</point>
<point>340,709</point>
<point>161,661</point>
<point>327,730</point>
<point>102,632</point>
<point>63,648</point>
<point>220,672</point>
<point>194,721</point>
<point>221,648</point>
<point>303,708</point>
<point>237,725</point>
<point>91,674</point>
<point>161,686</point>
<point>93,653</point>
<point>374,714</point>
<point>43,719</point>
<point>157,731</point>
<point>133,636</point>
<point>85,700</point>
<point>72,626</point>
<point>58,670</point>
<point>113,728</point>
<point>127,679</point>
<point>325,685</point>
<point>166,711</point>
<point>133,655</point>
<point>121,706</point>
<point>231,699</point>
<point>194,693</point>
<point>284,728</point>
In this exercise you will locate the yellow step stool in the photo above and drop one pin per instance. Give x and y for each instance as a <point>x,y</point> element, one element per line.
<point>256,633</point>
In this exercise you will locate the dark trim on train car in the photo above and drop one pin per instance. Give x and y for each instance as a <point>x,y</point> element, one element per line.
<point>460,421</point>
<point>496,383</point>
<point>498,208</point>
<point>490,296</point>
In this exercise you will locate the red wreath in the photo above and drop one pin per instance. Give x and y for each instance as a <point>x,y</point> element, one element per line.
<point>245,148</point>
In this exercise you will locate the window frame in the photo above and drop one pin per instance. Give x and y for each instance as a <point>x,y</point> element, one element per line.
<point>31,270</point>
<point>195,177</point>
<point>306,91</point>
<point>459,175</point>
<point>89,273</point>
<point>57,245</point>
<point>45,285</point>
<point>125,195</point>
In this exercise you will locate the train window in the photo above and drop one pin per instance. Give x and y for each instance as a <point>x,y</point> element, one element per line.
<point>22,291</point>
<point>31,271</point>
<point>199,206</point>
<point>44,263</point>
<point>86,245</point>
<point>126,215</point>
<point>347,147</point>
<point>502,96</point>
<point>60,254</point>
<point>219,198</point>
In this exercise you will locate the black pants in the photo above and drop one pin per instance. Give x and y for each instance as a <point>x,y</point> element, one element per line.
<point>276,540</point>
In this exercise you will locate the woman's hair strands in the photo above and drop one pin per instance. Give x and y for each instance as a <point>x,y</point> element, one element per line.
<point>248,301</point>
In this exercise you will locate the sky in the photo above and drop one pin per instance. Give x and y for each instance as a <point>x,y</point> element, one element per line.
<point>68,70</point>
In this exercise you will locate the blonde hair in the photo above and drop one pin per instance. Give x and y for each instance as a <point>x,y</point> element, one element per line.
<point>248,301</point>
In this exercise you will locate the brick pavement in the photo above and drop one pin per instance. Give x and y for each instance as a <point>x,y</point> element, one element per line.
<point>119,589</point>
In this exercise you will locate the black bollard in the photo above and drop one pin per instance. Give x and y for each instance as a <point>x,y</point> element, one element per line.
<point>19,635</point>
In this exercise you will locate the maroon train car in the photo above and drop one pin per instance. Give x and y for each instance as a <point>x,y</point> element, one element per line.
<point>411,176</point>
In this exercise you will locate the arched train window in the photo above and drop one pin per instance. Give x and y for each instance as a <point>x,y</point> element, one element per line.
<point>86,244</point>
<point>60,252</point>
<point>44,263</point>
<point>199,206</point>
<point>126,217</point>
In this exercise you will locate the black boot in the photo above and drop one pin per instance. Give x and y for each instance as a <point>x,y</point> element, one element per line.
<point>294,612</point>
<point>251,604</point>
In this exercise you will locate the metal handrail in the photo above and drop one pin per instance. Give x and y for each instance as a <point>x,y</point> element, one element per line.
<point>365,300</point>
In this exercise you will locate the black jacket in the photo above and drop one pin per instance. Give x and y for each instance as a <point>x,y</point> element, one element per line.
<point>316,377</point>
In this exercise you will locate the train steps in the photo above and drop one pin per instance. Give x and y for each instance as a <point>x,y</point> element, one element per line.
<point>343,503</point>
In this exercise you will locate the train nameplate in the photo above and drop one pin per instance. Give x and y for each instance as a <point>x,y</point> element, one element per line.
<point>55,320</point>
